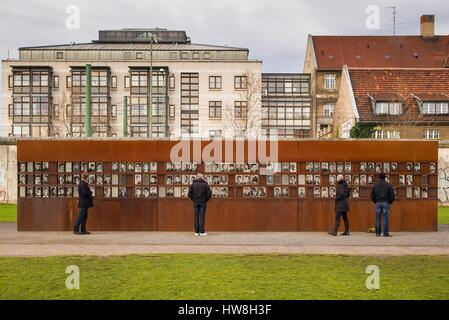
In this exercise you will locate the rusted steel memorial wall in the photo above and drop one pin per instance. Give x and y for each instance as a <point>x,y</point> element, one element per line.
<point>141,185</point>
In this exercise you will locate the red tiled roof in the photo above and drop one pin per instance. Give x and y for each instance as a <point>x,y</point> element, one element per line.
<point>332,52</point>
<point>408,83</point>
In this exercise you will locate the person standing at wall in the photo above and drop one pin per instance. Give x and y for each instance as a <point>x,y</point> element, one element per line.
<point>341,205</point>
<point>200,193</point>
<point>85,201</point>
<point>382,195</point>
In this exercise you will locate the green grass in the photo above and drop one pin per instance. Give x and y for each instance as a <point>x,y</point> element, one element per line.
<point>8,214</point>
<point>214,276</point>
<point>443,215</point>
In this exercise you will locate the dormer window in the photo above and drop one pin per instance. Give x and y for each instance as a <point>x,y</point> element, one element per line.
<point>440,107</point>
<point>435,103</point>
<point>387,103</point>
<point>388,108</point>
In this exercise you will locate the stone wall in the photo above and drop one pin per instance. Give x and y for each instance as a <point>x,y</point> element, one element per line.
<point>8,169</point>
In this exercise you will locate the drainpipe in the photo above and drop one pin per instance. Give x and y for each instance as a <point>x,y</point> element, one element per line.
<point>125,116</point>
<point>88,100</point>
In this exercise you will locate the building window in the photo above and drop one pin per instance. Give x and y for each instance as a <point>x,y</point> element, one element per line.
<point>127,55</point>
<point>56,82</point>
<point>139,55</point>
<point>387,134</point>
<point>240,109</point>
<point>329,81</point>
<point>184,55</point>
<point>215,82</point>
<point>10,82</point>
<point>388,108</point>
<point>10,110</point>
<point>127,82</point>
<point>171,82</point>
<point>114,82</point>
<point>114,111</point>
<point>215,109</point>
<point>206,56</point>
<point>21,130</point>
<point>240,82</point>
<point>171,111</point>
<point>328,110</point>
<point>431,134</point>
<point>189,103</point>
<point>68,82</point>
<point>215,134</point>
<point>55,110</point>
<point>196,56</point>
<point>174,55</point>
<point>59,55</point>
<point>435,108</point>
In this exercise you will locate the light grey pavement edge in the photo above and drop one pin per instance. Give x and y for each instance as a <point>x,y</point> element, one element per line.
<point>30,244</point>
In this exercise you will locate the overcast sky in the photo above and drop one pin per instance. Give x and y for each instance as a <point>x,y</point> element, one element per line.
<point>275,31</point>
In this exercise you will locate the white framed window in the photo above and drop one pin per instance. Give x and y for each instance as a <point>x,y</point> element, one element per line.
<point>329,110</point>
<point>172,82</point>
<point>114,82</point>
<point>68,82</point>
<point>387,134</point>
<point>10,82</point>
<point>114,111</point>
<point>329,81</point>
<point>55,82</point>
<point>431,134</point>
<point>435,107</point>
<point>196,56</point>
<point>59,55</point>
<point>127,83</point>
<point>21,130</point>
<point>388,108</point>
<point>171,111</point>
<point>139,55</point>
<point>206,56</point>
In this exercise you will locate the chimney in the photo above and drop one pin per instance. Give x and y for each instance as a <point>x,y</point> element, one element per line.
<point>428,26</point>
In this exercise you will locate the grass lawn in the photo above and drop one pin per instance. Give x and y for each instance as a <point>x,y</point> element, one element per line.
<point>214,276</point>
<point>8,214</point>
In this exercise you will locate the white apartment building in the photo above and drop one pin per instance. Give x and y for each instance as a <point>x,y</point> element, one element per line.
<point>197,90</point>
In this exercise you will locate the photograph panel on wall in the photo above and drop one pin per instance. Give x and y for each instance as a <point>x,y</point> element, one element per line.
<point>324,167</point>
<point>301,192</point>
<point>309,166</point>
<point>332,167</point>
<point>332,192</point>
<point>91,167</point>
<point>432,167</point>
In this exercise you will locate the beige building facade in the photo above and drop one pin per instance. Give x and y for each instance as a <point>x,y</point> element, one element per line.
<point>197,90</point>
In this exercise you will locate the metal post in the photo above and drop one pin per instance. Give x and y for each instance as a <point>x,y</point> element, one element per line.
<point>125,116</point>
<point>150,93</point>
<point>87,123</point>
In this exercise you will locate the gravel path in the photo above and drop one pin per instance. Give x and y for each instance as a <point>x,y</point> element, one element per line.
<point>31,244</point>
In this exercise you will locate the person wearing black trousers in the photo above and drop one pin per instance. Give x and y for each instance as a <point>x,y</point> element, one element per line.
<point>85,201</point>
<point>200,193</point>
<point>341,206</point>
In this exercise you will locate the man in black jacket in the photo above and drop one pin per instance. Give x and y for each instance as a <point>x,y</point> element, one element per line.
<point>85,201</point>
<point>341,206</point>
<point>200,193</point>
<point>382,195</point>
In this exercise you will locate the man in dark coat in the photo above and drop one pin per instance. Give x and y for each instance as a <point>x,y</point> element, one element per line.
<point>200,193</point>
<point>85,201</point>
<point>382,195</point>
<point>341,205</point>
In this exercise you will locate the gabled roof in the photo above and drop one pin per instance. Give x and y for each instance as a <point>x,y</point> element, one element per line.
<point>404,85</point>
<point>332,52</point>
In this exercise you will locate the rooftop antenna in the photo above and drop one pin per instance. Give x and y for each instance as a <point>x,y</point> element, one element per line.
<point>394,24</point>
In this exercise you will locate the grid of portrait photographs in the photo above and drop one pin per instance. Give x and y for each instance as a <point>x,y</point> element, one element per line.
<point>227,180</point>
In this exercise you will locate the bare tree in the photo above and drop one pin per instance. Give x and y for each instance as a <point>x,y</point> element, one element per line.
<point>62,122</point>
<point>244,117</point>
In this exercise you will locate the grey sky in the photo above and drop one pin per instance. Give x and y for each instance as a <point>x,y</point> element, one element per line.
<point>275,31</point>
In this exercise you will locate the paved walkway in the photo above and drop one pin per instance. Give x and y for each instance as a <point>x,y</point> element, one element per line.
<point>27,244</point>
